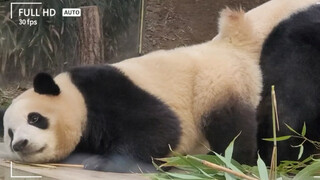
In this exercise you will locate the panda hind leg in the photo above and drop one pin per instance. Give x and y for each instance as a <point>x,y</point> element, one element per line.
<point>223,125</point>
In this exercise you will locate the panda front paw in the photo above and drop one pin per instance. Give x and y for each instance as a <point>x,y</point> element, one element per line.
<point>96,163</point>
<point>117,163</point>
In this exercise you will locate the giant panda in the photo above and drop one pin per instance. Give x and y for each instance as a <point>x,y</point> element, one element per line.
<point>134,110</point>
<point>290,60</point>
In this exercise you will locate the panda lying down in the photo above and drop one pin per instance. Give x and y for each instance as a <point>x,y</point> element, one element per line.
<point>136,108</point>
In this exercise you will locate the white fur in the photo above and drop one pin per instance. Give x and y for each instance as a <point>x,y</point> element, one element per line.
<point>266,16</point>
<point>66,114</point>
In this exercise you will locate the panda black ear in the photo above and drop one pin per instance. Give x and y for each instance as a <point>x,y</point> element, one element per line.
<point>43,83</point>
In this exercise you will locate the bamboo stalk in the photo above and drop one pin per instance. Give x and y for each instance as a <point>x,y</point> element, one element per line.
<point>39,165</point>
<point>48,165</point>
<point>31,164</point>
<point>275,126</point>
<point>141,26</point>
<point>275,106</point>
<point>67,165</point>
<point>221,168</point>
<point>273,165</point>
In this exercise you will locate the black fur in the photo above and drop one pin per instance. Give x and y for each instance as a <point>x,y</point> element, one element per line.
<point>43,83</point>
<point>123,120</point>
<point>10,133</point>
<point>224,124</point>
<point>1,122</point>
<point>290,60</point>
<point>37,120</point>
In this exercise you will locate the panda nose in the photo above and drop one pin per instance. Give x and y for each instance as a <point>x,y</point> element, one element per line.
<point>20,145</point>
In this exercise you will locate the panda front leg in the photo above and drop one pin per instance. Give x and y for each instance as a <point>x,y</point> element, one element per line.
<point>117,163</point>
<point>224,124</point>
<point>111,163</point>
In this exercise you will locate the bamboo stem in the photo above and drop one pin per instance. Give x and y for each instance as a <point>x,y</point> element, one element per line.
<point>141,26</point>
<point>275,127</point>
<point>273,166</point>
<point>48,165</point>
<point>39,165</point>
<point>67,165</point>
<point>221,168</point>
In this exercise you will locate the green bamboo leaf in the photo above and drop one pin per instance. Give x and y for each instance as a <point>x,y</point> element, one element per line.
<point>228,163</point>
<point>176,161</point>
<point>158,168</point>
<point>281,138</point>
<point>291,129</point>
<point>192,164</point>
<point>308,171</point>
<point>228,176</point>
<point>304,129</point>
<point>263,171</point>
<point>183,176</point>
<point>300,151</point>
<point>228,152</point>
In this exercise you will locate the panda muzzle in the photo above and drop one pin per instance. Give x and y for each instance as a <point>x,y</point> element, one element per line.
<point>20,145</point>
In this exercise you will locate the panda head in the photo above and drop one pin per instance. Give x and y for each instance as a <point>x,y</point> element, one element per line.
<point>45,123</point>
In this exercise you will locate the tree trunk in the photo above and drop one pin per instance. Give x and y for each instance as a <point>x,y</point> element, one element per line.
<point>91,36</point>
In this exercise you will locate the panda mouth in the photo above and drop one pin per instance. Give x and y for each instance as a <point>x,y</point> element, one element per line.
<point>31,152</point>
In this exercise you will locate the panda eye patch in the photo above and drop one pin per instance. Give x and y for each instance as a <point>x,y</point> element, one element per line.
<point>33,118</point>
<point>37,120</point>
<point>10,133</point>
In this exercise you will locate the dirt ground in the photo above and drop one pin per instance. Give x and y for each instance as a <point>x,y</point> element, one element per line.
<point>174,23</point>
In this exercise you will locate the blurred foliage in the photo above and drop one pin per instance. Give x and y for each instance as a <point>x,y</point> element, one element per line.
<point>190,167</point>
<point>52,45</point>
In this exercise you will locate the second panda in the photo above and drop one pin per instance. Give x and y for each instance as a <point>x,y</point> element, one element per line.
<point>290,60</point>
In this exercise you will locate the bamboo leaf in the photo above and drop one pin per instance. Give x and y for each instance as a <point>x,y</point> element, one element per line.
<point>228,163</point>
<point>192,164</point>
<point>228,176</point>
<point>304,130</point>
<point>263,171</point>
<point>184,176</point>
<point>300,151</point>
<point>229,150</point>
<point>291,129</point>
<point>308,171</point>
<point>281,138</point>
